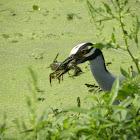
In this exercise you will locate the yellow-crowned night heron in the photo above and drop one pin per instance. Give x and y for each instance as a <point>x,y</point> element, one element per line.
<point>87,52</point>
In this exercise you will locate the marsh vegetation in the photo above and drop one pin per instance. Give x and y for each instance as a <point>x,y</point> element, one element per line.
<point>31,37</point>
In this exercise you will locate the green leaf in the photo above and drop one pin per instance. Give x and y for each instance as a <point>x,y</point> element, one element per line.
<point>127,90</point>
<point>126,2</point>
<point>127,11</point>
<point>126,102</point>
<point>93,97</point>
<point>90,7</point>
<point>122,95</point>
<point>36,7</point>
<point>136,40</point>
<point>103,119</point>
<point>66,121</point>
<point>34,77</point>
<point>108,9</point>
<point>41,125</point>
<point>136,101</point>
<point>124,73</point>
<point>123,104</point>
<point>76,109</point>
<point>59,117</point>
<point>113,38</point>
<point>119,108</point>
<point>3,128</point>
<point>45,115</point>
<point>108,125</point>
<point>114,91</point>
<point>80,128</point>
<point>106,96</point>
<point>101,46</point>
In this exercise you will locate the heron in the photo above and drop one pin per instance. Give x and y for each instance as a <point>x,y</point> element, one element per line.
<point>87,52</point>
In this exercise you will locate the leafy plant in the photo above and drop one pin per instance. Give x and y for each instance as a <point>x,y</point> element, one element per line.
<point>103,120</point>
<point>3,126</point>
<point>119,12</point>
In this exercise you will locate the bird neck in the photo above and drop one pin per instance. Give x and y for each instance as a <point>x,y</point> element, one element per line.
<point>98,69</point>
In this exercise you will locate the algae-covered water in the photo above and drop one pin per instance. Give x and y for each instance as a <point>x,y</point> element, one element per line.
<point>32,38</point>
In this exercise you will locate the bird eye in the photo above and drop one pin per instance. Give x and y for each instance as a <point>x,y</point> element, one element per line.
<point>83,52</point>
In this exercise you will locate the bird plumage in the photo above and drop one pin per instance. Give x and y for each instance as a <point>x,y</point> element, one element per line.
<point>104,78</point>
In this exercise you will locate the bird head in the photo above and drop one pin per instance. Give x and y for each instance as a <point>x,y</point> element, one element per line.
<point>81,53</point>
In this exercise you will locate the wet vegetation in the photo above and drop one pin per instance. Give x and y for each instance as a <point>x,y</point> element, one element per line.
<point>116,25</point>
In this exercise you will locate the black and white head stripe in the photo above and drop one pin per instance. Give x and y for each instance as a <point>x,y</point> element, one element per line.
<point>93,54</point>
<point>90,51</point>
<point>80,47</point>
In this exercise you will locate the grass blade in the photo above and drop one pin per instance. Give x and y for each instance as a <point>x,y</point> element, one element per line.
<point>114,91</point>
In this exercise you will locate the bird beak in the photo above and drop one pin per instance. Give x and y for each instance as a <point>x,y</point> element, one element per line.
<point>65,63</point>
<point>64,67</point>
